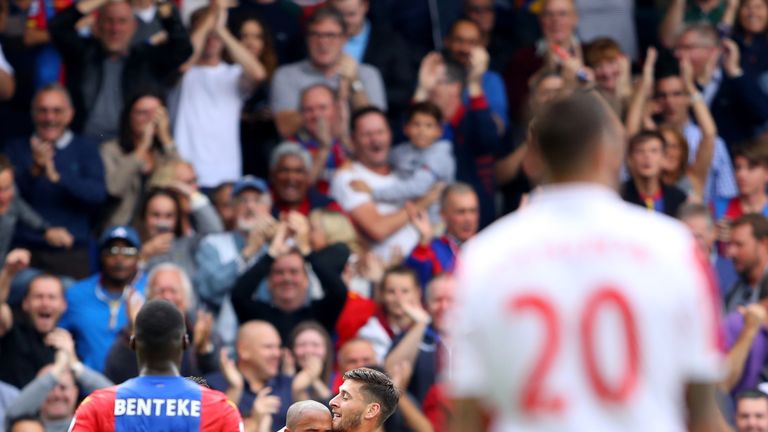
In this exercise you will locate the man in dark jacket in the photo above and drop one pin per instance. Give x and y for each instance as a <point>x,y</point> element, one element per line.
<point>644,159</point>
<point>105,71</point>
<point>285,270</point>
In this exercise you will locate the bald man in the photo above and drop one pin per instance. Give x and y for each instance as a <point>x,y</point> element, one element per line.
<point>308,416</point>
<point>258,361</point>
<point>355,353</point>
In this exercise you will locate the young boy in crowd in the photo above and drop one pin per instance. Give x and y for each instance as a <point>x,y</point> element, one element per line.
<point>421,162</point>
<point>645,188</point>
<point>750,167</point>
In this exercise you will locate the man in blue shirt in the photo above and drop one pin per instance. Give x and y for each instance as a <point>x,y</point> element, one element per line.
<point>99,305</point>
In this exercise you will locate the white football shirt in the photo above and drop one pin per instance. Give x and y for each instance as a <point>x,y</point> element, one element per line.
<point>581,312</point>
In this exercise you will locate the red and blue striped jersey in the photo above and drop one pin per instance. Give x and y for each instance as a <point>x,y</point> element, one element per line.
<point>159,404</point>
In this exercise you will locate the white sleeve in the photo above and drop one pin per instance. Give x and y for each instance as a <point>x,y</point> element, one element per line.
<point>344,195</point>
<point>702,337</point>
<point>4,65</point>
<point>467,369</point>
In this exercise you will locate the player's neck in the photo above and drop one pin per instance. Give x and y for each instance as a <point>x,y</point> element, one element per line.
<point>168,368</point>
<point>647,186</point>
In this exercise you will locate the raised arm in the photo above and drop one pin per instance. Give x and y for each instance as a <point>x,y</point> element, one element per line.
<point>407,350</point>
<point>15,261</point>
<point>672,23</point>
<point>430,71</point>
<point>754,318</point>
<point>253,71</point>
<point>701,165</point>
<point>643,89</point>
<point>198,37</point>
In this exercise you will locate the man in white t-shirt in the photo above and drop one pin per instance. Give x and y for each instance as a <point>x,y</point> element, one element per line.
<point>384,224</point>
<point>580,312</point>
<point>210,96</point>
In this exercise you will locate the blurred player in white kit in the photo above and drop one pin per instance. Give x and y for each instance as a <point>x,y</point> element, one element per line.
<point>581,312</point>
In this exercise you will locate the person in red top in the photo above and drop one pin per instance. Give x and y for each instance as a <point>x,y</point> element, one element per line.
<point>750,166</point>
<point>159,399</point>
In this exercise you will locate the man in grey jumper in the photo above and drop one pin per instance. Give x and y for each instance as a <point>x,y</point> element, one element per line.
<point>53,395</point>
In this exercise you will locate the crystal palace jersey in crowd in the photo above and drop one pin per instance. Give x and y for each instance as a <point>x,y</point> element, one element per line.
<point>159,404</point>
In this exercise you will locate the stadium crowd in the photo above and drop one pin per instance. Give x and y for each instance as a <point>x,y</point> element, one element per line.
<point>298,177</point>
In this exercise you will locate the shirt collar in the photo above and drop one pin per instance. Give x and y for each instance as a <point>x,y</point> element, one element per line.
<point>64,141</point>
<point>571,191</point>
<point>363,35</point>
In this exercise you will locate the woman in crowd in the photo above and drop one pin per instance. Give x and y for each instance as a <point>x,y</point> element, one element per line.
<point>162,234</point>
<point>145,142</point>
<point>312,352</point>
<point>258,135</point>
<point>751,34</point>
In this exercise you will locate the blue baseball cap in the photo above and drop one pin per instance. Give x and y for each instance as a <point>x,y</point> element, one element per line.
<point>120,232</point>
<point>249,182</point>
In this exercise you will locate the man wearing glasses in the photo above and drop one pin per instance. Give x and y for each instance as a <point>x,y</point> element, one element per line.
<point>360,84</point>
<point>99,305</point>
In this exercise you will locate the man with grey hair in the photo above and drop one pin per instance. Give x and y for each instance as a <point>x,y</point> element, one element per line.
<point>698,219</point>
<point>308,416</point>
<point>290,166</point>
<point>169,282</point>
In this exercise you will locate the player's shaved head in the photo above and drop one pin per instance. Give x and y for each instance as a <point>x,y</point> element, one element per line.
<point>160,333</point>
<point>308,415</point>
<point>577,136</point>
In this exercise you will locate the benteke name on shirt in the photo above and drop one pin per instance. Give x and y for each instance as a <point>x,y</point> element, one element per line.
<point>157,407</point>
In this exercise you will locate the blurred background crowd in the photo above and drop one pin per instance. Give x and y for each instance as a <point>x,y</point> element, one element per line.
<point>298,177</point>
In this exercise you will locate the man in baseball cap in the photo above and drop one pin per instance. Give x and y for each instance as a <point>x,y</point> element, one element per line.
<point>99,304</point>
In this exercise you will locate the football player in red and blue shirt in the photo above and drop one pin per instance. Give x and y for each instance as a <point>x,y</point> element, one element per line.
<point>159,399</point>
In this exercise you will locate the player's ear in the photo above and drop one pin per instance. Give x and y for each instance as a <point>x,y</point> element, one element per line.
<point>372,411</point>
<point>185,341</point>
<point>132,343</point>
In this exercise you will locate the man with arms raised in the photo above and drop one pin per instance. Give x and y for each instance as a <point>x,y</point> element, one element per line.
<point>577,326</point>
<point>365,400</point>
<point>159,399</point>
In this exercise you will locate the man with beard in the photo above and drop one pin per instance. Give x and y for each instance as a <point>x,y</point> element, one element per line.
<point>290,169</point>
<point>365,400</point>
<point>28,338</point>
<point>222,257</point>
<point>98,305</point>
<point>748,248</point>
